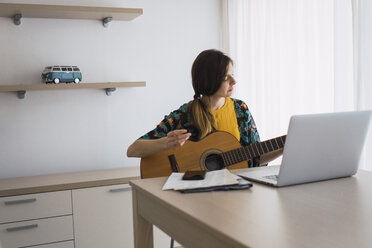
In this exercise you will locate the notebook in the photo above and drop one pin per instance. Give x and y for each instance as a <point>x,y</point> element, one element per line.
<point>318,147</point>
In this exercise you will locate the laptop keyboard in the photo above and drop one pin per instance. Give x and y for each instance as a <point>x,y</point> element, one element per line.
<point>272,177</point>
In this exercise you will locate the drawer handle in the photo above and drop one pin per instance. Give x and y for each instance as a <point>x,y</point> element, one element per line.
<point>19,228</point>
<point>120,189</point>
<point>20,201</point>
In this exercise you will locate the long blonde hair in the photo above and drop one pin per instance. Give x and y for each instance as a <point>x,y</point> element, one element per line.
<point>208,72</point>
<point>203,120</point>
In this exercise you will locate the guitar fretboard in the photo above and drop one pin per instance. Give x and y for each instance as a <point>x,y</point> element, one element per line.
<point>252,151</point>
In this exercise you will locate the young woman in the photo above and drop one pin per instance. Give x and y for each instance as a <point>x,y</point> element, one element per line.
<point>211,110</point>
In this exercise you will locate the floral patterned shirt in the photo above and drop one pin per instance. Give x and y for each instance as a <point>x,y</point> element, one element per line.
<point>181,119</point>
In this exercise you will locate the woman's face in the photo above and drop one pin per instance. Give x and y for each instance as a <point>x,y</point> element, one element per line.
<point>227,86</point>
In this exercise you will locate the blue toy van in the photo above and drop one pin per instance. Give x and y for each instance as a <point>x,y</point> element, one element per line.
<point>61,74</point>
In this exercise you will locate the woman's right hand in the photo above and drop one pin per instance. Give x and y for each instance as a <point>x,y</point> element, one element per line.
<point>142,148</point>
<point>177,138</point>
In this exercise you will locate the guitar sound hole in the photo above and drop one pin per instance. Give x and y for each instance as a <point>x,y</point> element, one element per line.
<point>214,162</point>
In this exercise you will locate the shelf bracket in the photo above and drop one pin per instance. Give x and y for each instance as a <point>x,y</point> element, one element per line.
<point>21,94</point>
<point>109,91</point>
<point>17,19</point>
<point>106,21</point>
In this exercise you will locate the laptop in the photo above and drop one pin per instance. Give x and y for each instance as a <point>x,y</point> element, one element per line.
<point>317,147</point>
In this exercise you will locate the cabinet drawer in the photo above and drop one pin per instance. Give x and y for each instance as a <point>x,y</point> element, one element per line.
<point>66,244</point>
<point>35,206</point>
<point>36,232</point>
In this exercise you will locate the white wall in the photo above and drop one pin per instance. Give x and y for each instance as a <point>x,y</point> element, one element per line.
<point>75,130</point>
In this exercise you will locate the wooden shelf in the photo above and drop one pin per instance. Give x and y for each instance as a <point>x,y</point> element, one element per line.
<point>109,87</point>
<point>68,12</point>
<point>64,86</point>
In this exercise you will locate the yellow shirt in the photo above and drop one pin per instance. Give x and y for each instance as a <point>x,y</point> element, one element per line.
<point>226,118</point>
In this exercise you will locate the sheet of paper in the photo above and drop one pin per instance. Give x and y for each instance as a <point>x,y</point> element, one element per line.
<point>212,178</point>
<point>242,181</point>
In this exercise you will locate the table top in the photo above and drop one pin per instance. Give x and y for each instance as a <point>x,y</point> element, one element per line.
<point>67,181</point>
<point>333,213</point>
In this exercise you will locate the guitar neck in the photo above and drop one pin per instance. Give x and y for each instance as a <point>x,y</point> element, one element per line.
<point>252,151</point>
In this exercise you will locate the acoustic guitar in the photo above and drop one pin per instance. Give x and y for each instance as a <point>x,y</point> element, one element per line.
<point>216,151</point>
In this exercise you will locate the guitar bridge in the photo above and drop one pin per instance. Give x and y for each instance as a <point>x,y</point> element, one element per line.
<point>173,163</point>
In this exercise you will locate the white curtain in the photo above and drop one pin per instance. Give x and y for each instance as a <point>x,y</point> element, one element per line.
<point>362,41</point>
<point>291,57</point>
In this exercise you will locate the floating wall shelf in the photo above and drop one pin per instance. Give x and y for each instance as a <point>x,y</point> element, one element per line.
<point>109,87</point>
<point>105,14</point>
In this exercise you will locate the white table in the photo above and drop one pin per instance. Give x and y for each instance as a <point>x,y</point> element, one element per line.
<point>334,213</point>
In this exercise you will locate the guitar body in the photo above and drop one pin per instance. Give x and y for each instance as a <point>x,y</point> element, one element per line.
<point>190,156</point>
